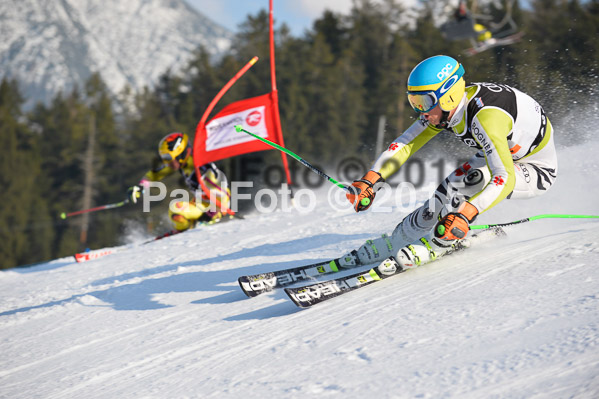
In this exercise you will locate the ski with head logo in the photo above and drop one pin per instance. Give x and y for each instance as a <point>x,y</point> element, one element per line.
<point>256,284</point>
<point>309,295</point>
<point>416,254</point>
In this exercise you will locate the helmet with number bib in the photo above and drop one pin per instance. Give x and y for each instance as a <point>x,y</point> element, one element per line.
<point>436,80</point>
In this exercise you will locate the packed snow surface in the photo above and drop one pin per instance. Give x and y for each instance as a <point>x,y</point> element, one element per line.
<point>512,318</point>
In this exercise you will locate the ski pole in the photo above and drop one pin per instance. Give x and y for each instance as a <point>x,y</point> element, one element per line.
<point>64,215</point>
<point>239,129</point>
<point>530,219</point>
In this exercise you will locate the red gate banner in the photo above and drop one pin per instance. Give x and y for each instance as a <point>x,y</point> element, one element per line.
<point>218,139</point>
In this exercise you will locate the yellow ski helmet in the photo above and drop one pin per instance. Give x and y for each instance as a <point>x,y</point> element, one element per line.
<point>483,33</point>
<point>174,146</point>
<point>436,80</point>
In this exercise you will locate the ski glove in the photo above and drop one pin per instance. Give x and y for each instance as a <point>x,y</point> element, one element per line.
<point>134,193</point>
<point>362,191</point>
<point>456,225</point>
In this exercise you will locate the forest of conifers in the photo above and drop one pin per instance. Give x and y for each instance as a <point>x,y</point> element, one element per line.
<point>335,82</point>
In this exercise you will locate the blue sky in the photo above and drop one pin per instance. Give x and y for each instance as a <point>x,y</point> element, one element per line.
<point>297,14</point>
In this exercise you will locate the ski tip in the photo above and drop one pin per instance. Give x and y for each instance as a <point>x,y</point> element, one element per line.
<point>244,282</point>
<point>246,286</point>
<point>254,285</point>
<point>291,294</point>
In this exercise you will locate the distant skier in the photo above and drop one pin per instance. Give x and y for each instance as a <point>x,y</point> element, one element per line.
<point>516,159</point>
<point>467,25</point>
<point>175,155</point>
<point>462,15</point>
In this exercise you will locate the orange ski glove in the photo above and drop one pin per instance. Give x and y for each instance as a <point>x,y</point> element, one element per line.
<point>456,225</point>
<point>363,190</point>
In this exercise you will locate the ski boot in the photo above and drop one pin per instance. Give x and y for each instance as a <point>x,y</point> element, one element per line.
<point>425,250</point>
<point>373,251</point>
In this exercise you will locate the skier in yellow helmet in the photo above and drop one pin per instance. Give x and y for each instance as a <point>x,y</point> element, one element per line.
<point>175,155</point>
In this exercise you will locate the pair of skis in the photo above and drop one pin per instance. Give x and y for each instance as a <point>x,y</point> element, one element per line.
<point>308,295</point>
<point>312,294</point>
<point>494,42</point>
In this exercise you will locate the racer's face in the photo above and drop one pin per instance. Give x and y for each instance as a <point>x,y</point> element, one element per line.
<point>434,115</point>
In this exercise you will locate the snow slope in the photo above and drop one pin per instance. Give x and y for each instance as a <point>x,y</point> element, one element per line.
<point>517,318</point>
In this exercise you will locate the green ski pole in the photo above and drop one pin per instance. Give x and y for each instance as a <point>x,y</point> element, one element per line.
<point>239,129</point>
<point>530,219</point>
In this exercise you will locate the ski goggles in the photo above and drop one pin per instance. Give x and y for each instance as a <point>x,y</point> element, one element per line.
<point>424,101</point>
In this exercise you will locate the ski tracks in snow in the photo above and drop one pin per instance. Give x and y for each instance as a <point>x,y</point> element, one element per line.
<point>505,319</point>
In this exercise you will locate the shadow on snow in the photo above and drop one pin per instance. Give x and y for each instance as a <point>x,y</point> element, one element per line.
<point>138,295</point>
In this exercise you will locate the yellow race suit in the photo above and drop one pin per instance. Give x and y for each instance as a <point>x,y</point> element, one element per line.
<point>185,214</point>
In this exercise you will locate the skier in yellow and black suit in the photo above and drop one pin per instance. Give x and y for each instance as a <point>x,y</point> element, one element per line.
<point>175,156</point>
<point>515,156</point>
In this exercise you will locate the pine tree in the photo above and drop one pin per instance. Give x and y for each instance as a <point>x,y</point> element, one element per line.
<point>26,232</point>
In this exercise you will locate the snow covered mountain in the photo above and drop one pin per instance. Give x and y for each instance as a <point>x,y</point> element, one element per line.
<point>512,318</point>
<point>49,46</point>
